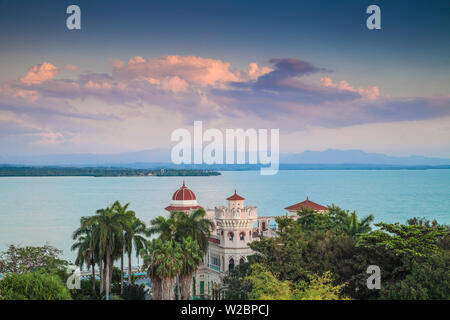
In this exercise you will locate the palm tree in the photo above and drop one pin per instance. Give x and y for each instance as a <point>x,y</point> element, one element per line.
<point>130,216</point>
<point>163,260</point>
<point>86,250</point>
<point>133,237</point>
<point>107,232</point>
<point>192,258</point>
<point>349,222</point>
<point>180,226</point>
<point>196,226</point>
<point>356,226</point>
<point>165,228</point>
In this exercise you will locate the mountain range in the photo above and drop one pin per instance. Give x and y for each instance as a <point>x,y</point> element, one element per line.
<point>159,157</point>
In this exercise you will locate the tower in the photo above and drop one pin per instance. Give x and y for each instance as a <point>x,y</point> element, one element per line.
<point>235,226</point>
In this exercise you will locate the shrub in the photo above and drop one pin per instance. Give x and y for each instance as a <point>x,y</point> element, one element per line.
<point>33,286</point>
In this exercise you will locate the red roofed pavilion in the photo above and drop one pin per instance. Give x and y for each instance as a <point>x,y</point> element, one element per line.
<point>183,200</point>
<point>307,204</point>
<point>235,201</point>
<point>235,196</point>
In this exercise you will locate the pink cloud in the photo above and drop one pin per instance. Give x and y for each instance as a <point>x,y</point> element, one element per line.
<point>174,84</point>
<point>71,67</point>
<point>327,82</point>
<point>20,91</point>
<point>197,71</point>
<point>98,85</point>
<point>210,88</point>
<point>40,73</point>
<point>254,72</point>
<point>136,60</point>
<point>139,78</point>
<point>28,95</point>
<point>51,137</point>
<point>370,92</point>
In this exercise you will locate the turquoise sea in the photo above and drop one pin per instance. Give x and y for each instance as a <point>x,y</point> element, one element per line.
<point>36,210</point>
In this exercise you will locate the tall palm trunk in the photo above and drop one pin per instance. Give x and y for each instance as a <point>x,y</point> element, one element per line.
<point>111,271</point>
<point>167,288</point>
<point>94,294</point>
<point>186,281</point>
<point>108,271</point>
<point>156,288</point>
<point>177,287</point>
<point>121,274</point>
<point>102,277</point>
<point>129,267</point>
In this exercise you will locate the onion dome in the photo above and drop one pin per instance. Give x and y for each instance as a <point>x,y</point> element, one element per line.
<point>184,194</point>
<point>183,199</point>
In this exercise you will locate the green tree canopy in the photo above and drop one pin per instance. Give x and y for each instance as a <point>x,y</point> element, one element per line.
<point>266,286</point>
<point>413,241</point>
<point>33,286</point>
<point>163,260</point>
<point>23,259</point>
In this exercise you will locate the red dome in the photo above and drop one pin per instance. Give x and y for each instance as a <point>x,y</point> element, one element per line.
<point>184,193</point>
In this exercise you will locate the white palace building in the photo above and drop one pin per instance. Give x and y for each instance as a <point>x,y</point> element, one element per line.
<point>236,226</point>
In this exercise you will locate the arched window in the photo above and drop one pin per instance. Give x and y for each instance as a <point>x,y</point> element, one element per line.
<point>231,264</point>
<point>242,236</point>
<point>231,235</point>
<point>241,260</point>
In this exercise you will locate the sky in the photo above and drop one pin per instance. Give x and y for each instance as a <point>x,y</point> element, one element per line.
<point>138,70</point>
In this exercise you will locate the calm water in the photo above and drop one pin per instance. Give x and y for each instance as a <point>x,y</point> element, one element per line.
<point>37,210</point>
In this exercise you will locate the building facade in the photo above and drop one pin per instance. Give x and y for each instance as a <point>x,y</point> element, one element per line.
<point>236,225</point>
<point>235,229</point>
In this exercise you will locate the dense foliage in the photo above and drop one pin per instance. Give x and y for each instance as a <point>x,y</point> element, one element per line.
<point>23,259</point>
<point>176,254</point>
<point>134,292</point>
<point>313,257</point>
<point>33,286</point>
<point>266,286</point>
<point>104,238</point>
<point>325,256</point>
<point>109,235</point>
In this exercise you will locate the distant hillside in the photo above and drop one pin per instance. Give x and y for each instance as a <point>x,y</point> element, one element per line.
<point>159,158</point>
<point>85,159</point>
<point>333,156</point>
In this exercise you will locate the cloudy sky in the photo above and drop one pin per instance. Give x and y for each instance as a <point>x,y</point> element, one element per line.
<point>137,70</point>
